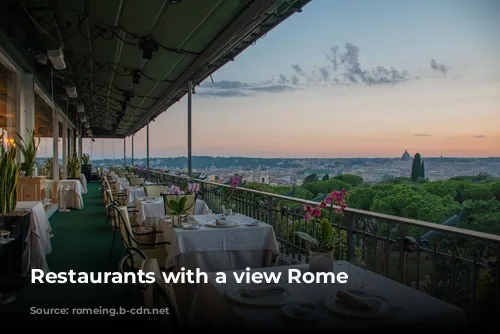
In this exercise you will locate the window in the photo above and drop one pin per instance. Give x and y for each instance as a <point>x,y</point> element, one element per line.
<point>7,103</point>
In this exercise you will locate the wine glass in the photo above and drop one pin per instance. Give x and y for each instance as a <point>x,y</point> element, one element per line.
<point>357,271</point>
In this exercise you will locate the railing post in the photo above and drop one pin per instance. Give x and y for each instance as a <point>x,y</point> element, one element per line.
<point>351,225</point>
<point>189,140</point>
<point>269,210</point>
<point>202,191</point>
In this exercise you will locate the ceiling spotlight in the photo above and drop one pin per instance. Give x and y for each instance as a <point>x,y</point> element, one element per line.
<point>80,108</point>
<point>71,91</point>
<point>57,59</point>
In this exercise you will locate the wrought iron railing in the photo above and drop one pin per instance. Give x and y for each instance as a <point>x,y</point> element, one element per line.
<point>457,265</point>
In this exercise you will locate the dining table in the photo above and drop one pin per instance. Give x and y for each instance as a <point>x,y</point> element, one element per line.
<point>150,210</point>
<point>70,194</point>
<point>316,306</point>
<point>133,193</point>
<point>209,247</point>
<point>83,180</point>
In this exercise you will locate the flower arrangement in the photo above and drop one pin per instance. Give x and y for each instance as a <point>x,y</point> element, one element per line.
<point>336,204</point>
<point>228,202</point>
<point>180,205</point>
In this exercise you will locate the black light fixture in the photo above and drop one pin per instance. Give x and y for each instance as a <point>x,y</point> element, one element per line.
<point>148,46</point>
<point>127,96</point>
<point>136,77</point>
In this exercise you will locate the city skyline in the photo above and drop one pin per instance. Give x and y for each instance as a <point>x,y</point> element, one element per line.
<point>349,79</point>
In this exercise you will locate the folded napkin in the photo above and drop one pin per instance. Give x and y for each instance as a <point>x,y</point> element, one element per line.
<point>358,300</point>
<point>221,221</point>
<point>262,291</point>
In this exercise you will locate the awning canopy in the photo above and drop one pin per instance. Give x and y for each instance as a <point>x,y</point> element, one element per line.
<point>129,61</point>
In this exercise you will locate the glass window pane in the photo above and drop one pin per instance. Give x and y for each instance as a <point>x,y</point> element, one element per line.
<point>7,103</point>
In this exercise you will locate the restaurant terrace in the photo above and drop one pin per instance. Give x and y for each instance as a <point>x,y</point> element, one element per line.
<point>79,69</point>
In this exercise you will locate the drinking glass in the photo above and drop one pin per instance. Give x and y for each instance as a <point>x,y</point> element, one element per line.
<point>357,272</point>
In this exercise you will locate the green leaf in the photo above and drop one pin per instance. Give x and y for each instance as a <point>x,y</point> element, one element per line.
<point>306,237</point>
<point>172,204</point>
<point>327,230</point>
<point>182,204</point>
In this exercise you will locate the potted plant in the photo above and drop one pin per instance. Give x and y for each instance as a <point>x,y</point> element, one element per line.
<point>178,201</point>
<point>9,176</point>
<point>13,223</point>
<point>74,164</point>
<point>321,252</point>
<point>86,166</point>
<point>28,149</point>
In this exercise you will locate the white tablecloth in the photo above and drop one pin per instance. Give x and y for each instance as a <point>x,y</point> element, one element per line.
<point>83,179</point>
<point>150,213</point>
<point>38,239</point>
<point>211,308</point>
<point>134,193</point>
<point>121,183</point>
<point>220,249</point>
<point>73,197</point>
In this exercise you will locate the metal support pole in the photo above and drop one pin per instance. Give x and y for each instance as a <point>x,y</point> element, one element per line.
<point>80,142</point>
<point>124,153</point>
<point>132,163</point>
<point>147,145</point>
<point>55,132</point>
<point>189,105</point>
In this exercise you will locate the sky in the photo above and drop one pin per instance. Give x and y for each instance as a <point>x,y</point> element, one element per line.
<point>351,78</point>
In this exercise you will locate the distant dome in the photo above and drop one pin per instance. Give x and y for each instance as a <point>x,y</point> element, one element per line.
<point>406,156</point>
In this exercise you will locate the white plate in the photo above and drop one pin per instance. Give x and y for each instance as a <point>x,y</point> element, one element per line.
<point>271,300</point>
<point>333,304</point>
<point>255,223</point>
<point>222,226</point>
<point>300,311</point>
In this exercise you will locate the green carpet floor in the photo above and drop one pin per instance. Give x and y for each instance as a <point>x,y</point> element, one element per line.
<point>81,242</point>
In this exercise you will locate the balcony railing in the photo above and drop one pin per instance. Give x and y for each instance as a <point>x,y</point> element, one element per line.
<point>457,265</point>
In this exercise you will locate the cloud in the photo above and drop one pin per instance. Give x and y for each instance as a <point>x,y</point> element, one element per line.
<point>436,67</point>
<point>422,135</point>
<point>239,89</point>
<point>341,67</point>
<point>480,136</point>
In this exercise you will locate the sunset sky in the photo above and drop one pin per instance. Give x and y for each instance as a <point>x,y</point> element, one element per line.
<point>349,79</point>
